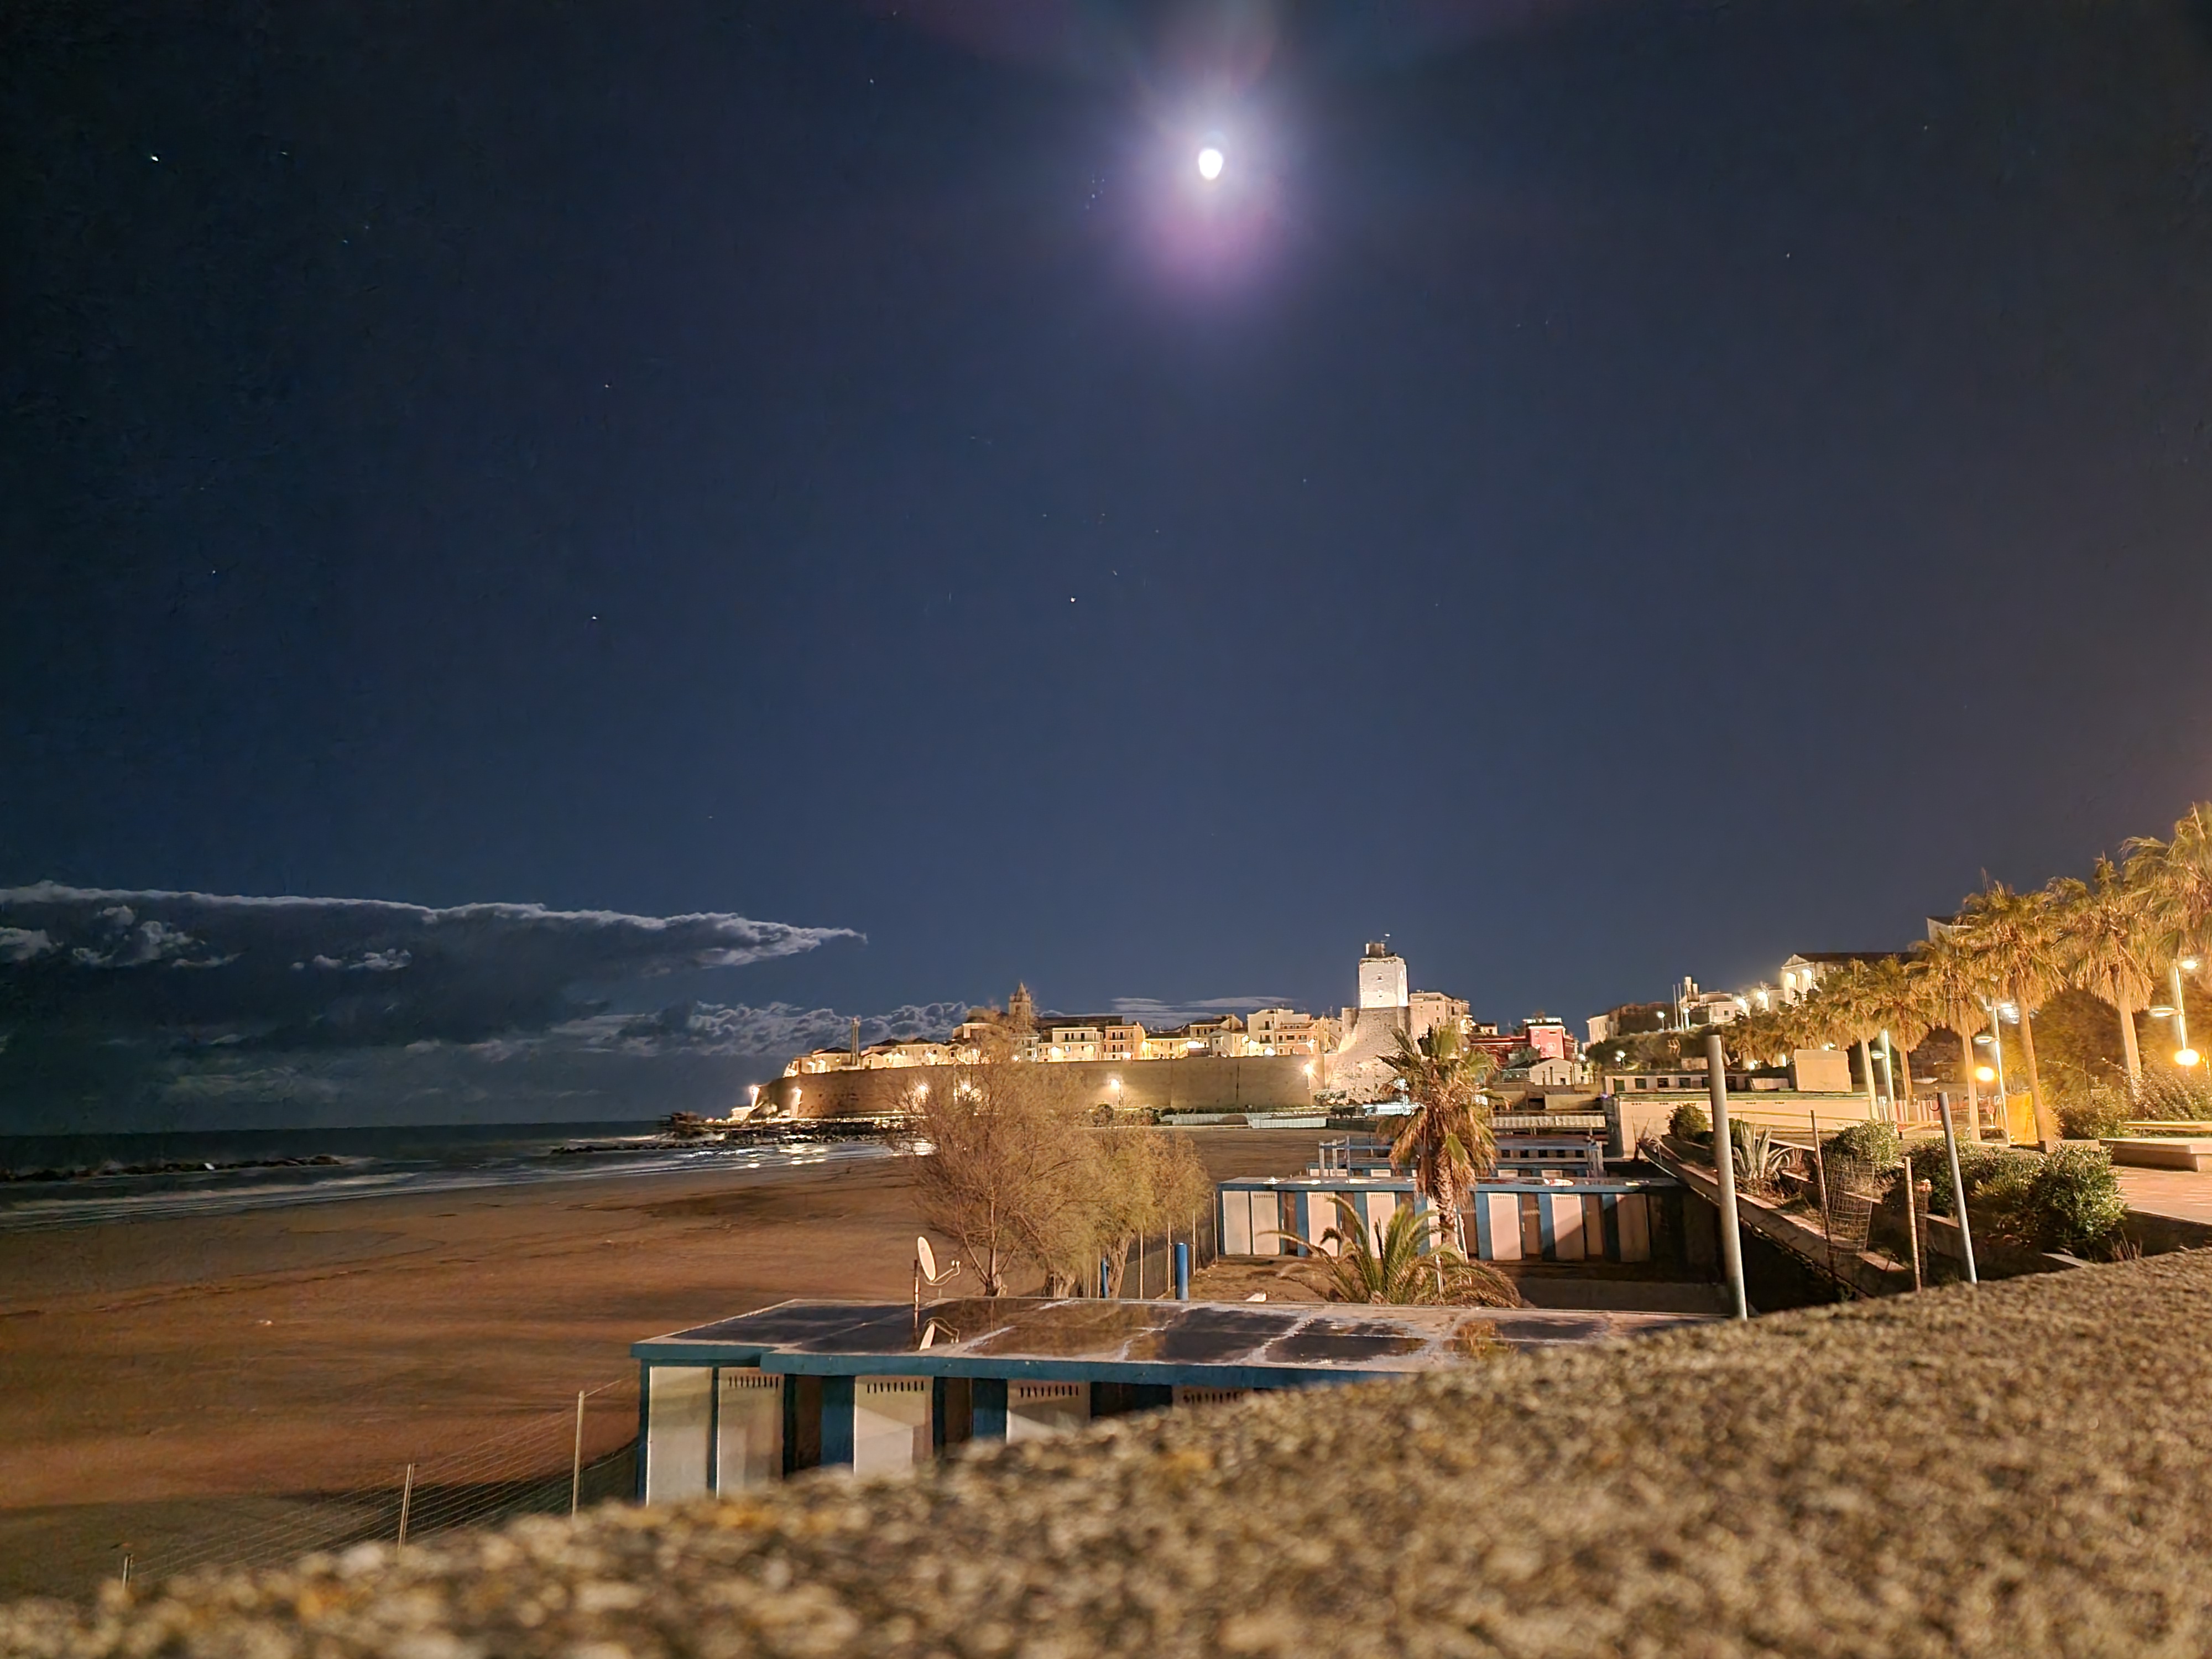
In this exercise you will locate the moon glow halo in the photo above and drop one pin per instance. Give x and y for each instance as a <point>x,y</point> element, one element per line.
<point>1210,163</point>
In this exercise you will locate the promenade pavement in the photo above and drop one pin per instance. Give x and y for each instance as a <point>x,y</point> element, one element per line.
<point>2180,1194</point>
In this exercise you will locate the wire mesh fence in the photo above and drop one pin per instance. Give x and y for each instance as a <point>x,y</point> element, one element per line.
<point>547,1464</point>
<point>1148,1264</point>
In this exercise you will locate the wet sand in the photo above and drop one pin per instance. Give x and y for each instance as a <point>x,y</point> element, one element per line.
<point>166,1379</point>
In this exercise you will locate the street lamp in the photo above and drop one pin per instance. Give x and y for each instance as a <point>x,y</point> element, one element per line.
<point>2183,1053</point>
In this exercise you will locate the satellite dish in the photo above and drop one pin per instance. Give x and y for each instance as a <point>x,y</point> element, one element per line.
<point>926,1272</point>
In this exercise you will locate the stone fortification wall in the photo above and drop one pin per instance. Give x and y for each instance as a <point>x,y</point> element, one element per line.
<point>1261,1082</point>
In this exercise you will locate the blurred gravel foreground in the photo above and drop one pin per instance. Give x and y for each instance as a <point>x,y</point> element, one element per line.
<point>2019,1470</point>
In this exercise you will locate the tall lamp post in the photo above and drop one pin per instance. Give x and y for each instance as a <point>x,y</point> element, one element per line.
<point>2183,1053</point>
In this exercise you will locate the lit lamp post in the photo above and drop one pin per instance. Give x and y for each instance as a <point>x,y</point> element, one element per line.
<point>1995,1074</point>
<point>2183,1053</point>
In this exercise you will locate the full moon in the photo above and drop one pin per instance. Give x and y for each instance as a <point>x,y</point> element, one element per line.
<point>1210,162</point>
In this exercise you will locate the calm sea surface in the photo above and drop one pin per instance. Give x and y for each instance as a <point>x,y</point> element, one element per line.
<point>112,1178</point>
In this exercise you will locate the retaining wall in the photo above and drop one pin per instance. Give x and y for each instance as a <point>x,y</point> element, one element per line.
<point>1258,1083</point>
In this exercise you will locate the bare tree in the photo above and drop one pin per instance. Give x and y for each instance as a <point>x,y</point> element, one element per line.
<point>1006,1166</point>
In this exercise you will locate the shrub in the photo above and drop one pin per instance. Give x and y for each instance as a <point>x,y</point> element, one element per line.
<point>1688,1122</point>
<point>1758,1156</point>
<point>2069,1199</point>
<point>2166,1095</point>
<point>1979,1163</point>
<point>2103,1111</point>
<point>1878,1145</point>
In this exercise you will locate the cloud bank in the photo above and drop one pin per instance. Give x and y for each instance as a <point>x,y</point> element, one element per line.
<point>133,1009</point>
<point>304,972</point>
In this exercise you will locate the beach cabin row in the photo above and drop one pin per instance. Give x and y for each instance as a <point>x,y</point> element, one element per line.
<point>874,1387</point>
<point>1556,1219</point>
<point>727,1428</point>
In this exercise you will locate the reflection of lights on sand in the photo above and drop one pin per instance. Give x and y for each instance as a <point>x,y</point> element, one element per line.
<point>1210,163</point>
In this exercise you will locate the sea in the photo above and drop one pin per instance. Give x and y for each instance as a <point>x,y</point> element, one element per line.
<point>75,1181</point>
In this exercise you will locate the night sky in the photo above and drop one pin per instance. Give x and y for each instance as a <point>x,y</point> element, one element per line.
<point>1600,492</point>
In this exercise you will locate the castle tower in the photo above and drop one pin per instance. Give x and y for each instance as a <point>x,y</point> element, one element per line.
<point>1382,978</point>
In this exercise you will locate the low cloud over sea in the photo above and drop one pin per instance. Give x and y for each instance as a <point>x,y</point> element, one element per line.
<point>136,1010</point>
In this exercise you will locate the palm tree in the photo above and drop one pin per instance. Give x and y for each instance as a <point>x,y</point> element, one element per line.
<point>1446,1141</point>
<point>1841,1009</point>
<point>2104,937</point>
<point>1766,1034</point>
<point>1958,990</point>
<point>2016,937</point>
<point>1887,997</point>
<point>2176,879</point>
<point>1401,1262</point>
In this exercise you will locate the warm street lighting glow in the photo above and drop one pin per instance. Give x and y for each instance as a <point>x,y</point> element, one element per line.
<point>2188,964</point>
<point>2185,1056</point>
<point>2160,1011</point>
<point>921,1089</point>
<point>1985,1074</point>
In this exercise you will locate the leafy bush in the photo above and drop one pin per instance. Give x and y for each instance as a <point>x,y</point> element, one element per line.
<point>1688,1122</point>
<point>1878,1145</point>
<point>2102,1110</point>
<point>1979,1163</point>
<point>2166,1095</point>
<point>2069,1199</point>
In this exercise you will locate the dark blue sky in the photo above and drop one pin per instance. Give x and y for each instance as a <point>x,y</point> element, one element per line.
<point>1638,493</point>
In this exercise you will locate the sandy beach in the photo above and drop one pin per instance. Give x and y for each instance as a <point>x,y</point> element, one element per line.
<point>172,1379</point>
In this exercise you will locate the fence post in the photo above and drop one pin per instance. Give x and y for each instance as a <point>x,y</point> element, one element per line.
<point>406,1503</point>
<point>1957,1185</point>
<point>1725,1167</point>
<point>1182,1273</point>
<point>1912,1218</point>
<point>576,1463</point>
<point>1820,1172</point>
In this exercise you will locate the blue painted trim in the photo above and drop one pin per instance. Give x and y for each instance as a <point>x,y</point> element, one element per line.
<point>837,1421</point>
<point>1164,1373</point>
<point>988,1404</point>
<point>644,1423</point>
<point>1550,1245</point>
<point>1483,1250</point>
<point>1300,1184</point>
<point>1182,1271</point>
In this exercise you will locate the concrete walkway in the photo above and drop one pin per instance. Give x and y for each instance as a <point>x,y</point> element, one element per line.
<point>2177,1194</point>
